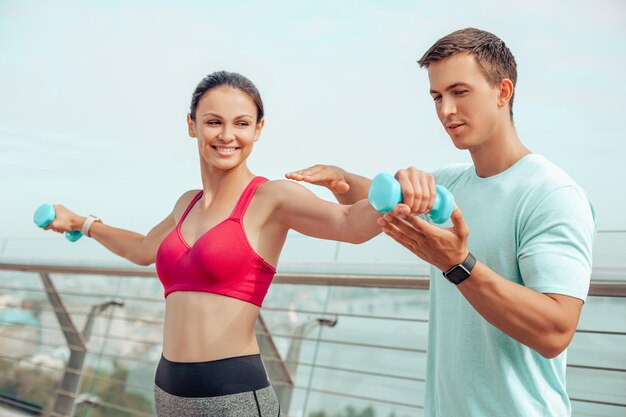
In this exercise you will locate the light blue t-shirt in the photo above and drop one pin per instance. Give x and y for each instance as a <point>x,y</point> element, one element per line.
<point>533,225</point>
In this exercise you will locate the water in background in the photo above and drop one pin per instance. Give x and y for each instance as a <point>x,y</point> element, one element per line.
<point>380,255</point>
<point>117,336</point>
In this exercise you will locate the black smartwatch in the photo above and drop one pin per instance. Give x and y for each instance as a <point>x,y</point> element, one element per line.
<point>459,273</point>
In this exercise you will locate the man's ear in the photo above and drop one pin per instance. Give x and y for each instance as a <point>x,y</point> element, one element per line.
<point>191,125</point>
<point>506,92</point>
<point>259,128</point>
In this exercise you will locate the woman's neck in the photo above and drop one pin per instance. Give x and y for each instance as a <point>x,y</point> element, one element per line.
<point>217,182</point>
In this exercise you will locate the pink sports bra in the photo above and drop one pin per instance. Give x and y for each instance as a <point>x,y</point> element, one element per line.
<point>221,261</point>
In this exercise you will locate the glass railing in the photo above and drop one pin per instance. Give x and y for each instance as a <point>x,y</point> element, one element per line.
<point>339,337</point>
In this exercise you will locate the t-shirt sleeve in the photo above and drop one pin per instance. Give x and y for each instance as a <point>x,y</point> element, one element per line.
<point>555,251</point>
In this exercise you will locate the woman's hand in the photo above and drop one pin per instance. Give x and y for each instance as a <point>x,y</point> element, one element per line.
<point>65,220</point>
<point>329,176</point>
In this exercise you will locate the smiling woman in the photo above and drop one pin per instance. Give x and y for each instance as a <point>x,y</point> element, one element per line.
<point>225,136</point>
<point>216,255</point>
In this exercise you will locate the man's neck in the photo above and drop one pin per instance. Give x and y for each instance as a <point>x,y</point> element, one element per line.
<point>498,153</point>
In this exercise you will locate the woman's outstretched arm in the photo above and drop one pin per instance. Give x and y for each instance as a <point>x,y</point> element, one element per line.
<point>348,188</point>
<point>301,210</point>
<point>137,248</point>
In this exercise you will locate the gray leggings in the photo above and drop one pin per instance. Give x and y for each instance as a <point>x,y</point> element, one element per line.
<point>230,387</point>
<point>260,403</point>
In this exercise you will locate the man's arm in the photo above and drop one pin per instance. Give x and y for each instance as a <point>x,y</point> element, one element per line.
<point>347,188</point>
<point>543,322</point>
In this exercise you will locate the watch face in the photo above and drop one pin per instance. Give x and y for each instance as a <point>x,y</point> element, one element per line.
<point>457,274</point>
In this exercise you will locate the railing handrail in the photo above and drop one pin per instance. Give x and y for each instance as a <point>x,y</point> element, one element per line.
<point>421,282</point>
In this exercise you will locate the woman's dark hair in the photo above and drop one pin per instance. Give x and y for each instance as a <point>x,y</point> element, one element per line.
<point>228,79</point>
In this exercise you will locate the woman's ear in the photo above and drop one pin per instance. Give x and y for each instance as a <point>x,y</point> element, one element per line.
<point>191,125</point>
<point>506,92</point>
<point>259,128</point>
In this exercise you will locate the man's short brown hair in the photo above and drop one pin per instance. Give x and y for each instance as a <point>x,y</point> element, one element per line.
<point>491,54</point>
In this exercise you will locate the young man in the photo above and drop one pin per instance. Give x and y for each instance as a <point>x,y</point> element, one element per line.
<point>501,322</point>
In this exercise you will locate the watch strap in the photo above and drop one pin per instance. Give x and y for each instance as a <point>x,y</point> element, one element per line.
<point>87,224</point>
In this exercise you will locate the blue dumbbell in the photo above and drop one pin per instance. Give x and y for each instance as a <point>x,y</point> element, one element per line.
<point>45,214</point>
<point>385,193</point>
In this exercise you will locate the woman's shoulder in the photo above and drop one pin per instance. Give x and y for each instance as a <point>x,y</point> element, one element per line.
<point>184,200</point>
<point>187,196</point>
<point>280,187</point>
<point>280,191</point>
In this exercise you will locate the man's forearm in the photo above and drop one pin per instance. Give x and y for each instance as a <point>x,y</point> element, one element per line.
<point>536,320</point>
<point>359,187</point>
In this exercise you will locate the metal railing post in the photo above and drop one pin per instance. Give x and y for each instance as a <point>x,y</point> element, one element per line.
<point>65,399</point>
<point>282,372</point>
<point>277,370</point>
<point>66,394</point>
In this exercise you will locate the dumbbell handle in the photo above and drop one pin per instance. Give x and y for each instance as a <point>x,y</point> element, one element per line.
<point>385,193</point>
<point>45,214</point>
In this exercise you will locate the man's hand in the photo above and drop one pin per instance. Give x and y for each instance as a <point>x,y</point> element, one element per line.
<point>329,176</point>
<point>418,189</point>
<point>440,247</point>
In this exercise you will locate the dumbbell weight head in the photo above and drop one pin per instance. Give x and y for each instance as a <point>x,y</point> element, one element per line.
<point>45,214</point>
<point>385,193</point>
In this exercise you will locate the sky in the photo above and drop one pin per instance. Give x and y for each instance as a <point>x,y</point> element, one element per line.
<point>94,95</point>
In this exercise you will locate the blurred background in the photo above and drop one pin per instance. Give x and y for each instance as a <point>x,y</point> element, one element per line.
<point>94,97</point>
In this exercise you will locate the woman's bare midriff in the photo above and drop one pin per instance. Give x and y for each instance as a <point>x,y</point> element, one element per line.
<point>201,326</point>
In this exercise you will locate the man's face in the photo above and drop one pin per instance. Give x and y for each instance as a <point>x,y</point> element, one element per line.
<point>467,104</point>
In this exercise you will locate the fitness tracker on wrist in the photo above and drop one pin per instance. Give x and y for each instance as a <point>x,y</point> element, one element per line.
<point>460,272</point>
<point>87,224</point>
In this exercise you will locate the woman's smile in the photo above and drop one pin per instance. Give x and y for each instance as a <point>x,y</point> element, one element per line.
<point>225,150</point>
